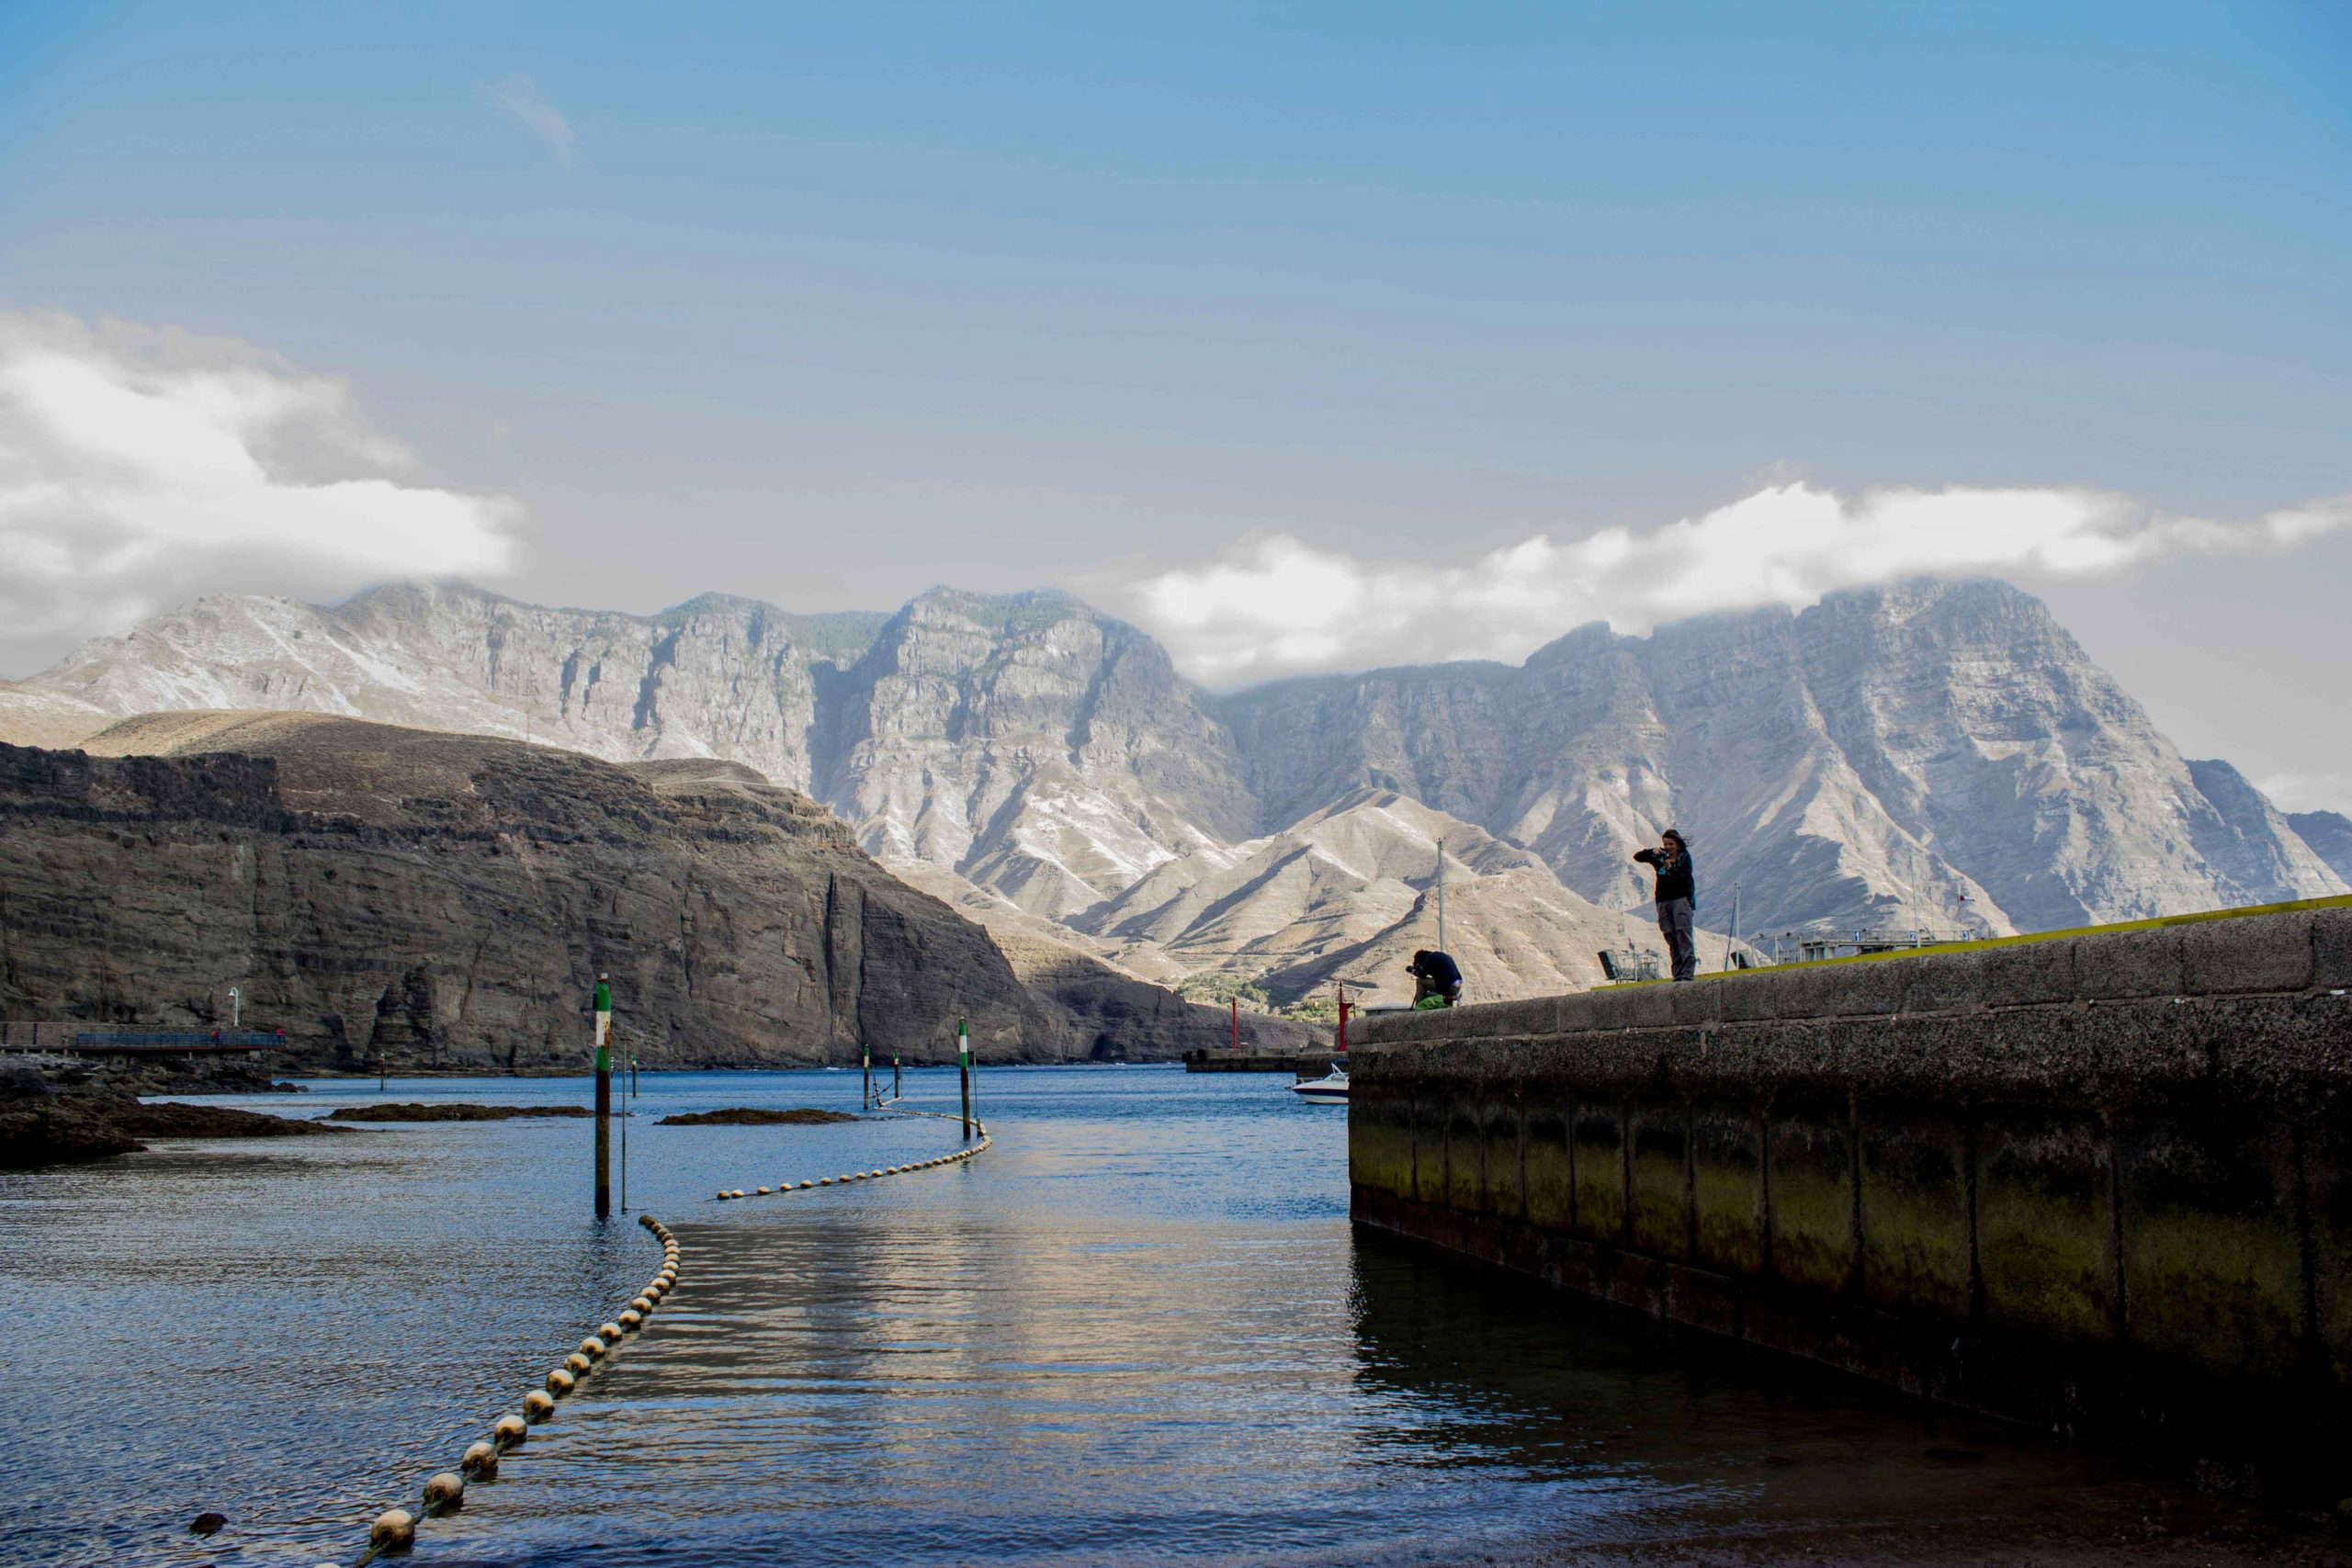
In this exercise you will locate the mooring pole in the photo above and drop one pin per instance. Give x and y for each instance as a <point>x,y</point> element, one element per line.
<point>1235,1003</point>
<point>604,1096</point>
<point>625,1117</point>
<point>865,1073</point>
<point>896,1091</point>
<point>964,1061</point>
<point>1342,1042</point>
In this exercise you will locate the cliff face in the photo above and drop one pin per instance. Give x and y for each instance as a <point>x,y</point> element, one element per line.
<point>2329,833</point>
<point>1931,754</point>
<point>1031,745</point>
<point>451,899</point>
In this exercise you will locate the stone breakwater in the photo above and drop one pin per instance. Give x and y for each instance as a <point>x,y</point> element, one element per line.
<point>2100,1183</point>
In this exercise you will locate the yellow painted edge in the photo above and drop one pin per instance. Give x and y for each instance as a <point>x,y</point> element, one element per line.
<point>2338,901</point>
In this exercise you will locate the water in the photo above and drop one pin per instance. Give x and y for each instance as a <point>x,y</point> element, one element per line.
<point>1138,1329</point>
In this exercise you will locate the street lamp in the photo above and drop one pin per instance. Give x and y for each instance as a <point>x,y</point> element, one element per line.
<point>236,1008</point>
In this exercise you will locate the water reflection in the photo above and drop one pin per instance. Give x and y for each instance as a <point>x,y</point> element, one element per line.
<point>1139,1331</point>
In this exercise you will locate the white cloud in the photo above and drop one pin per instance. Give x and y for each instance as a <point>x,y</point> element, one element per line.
<point>1274,606</point>
<point>519,99</point>
<point>140,467</point>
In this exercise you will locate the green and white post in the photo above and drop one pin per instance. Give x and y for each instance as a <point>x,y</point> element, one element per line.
<point>964,1062</point>
<point>603,1004</point>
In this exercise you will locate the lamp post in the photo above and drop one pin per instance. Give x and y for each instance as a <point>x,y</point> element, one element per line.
<point>236,1009</point>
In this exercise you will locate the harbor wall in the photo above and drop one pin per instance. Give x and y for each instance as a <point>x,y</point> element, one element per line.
<point>2102,1184</point>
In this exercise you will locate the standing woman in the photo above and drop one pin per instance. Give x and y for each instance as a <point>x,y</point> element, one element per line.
<point>1676,900</point>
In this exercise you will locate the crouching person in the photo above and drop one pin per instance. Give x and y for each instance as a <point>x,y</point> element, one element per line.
<point>1437,980</point>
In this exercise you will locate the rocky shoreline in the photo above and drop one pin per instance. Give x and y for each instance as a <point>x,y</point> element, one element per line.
<point>49,1123</point>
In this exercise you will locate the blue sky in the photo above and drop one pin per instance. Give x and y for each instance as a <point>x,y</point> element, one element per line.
<point>829,303</point>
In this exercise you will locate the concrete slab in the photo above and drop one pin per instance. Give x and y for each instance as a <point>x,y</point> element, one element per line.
<point>1509,1021</point>
<point>1946,982</point>
<point>2217,958</point>
<point>1636,1007</point>
<point>2027,973</point>
<point>2332,949</point>
<point>1696,1001</point>
<point>1844,990</point>
<point>2130,964</point>
<point>1742,998</point>
<point>1579,1010</point>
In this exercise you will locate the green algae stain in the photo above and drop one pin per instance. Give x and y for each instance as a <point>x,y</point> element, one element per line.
<point>1599,1174</point>
<point>1812,1205</point>
<point>1548,1194</point>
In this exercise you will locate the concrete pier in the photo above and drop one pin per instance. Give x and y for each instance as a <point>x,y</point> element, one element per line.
<point>1298,1064</point>
<point>2100,1183</point>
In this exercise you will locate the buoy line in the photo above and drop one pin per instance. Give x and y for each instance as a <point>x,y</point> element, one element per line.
<point>847,1177</point>
<point>394,1529</point>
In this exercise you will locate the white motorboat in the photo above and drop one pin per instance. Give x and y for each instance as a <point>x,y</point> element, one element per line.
<point>1332,1088</point>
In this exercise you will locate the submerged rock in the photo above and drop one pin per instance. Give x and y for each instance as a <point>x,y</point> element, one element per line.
<point>412,1111</point>
<point>44,1126</point>
<point>750,1116</point>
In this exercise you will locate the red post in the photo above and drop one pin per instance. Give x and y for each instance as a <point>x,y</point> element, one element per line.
<point>1343,1020</point>
<point>1235,1003</point>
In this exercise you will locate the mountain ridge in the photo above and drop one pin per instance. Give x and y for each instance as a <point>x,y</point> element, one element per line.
<point>1928,755</point>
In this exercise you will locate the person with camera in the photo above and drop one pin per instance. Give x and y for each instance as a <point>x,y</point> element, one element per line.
<point>1437,980</point>
<point>1678,900</point>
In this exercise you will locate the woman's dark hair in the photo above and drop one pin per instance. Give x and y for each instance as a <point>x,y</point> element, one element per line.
<point>1676,837</point>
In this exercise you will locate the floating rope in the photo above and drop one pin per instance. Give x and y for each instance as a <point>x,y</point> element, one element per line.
<point>846,1177</point>
<point>394,1529</point>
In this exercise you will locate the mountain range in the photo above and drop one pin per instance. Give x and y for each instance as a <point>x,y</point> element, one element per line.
<point>1930,754</point>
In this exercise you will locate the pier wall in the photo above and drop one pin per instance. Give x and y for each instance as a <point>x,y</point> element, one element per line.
<point>2101,1183</point>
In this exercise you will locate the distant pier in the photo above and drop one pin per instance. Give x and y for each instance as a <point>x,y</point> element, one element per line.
<point>1298,1064</point>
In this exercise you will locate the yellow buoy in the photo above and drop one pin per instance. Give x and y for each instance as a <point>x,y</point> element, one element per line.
<point>577,1364</point>
<point>538,1405</point>
<point>445,1491</point>
<point>480,1459</point>
<point>559,1382</point>
<point>508,1431</point>
<point>628,1320</point>
<point>592,1347</point>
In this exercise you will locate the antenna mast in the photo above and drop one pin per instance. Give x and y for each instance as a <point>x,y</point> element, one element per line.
<point>1441,895</point>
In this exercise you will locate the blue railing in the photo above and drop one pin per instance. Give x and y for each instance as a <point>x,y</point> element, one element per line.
<point>171,1039</point>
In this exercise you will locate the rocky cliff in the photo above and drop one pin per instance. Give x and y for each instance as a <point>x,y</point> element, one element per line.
<point>2329,833</point>
<point>449,899</point>
<point>1931,754</point>
<point>1927,754</point>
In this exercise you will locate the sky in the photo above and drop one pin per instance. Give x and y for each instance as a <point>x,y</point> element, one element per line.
<point>1309,337</point>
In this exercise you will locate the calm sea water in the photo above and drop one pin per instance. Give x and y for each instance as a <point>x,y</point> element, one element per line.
<point>1138,1329</point>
